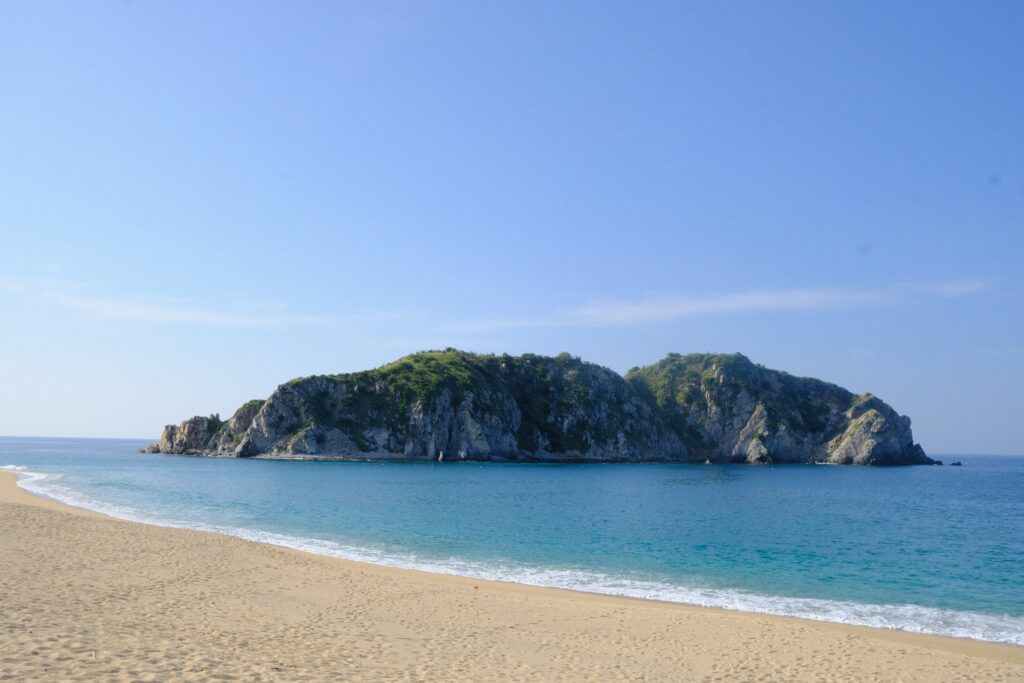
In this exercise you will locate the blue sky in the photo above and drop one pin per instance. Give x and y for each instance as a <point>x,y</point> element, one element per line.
<point>199,201</point>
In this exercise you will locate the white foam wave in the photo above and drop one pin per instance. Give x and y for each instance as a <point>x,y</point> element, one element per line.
<point>988,627</point>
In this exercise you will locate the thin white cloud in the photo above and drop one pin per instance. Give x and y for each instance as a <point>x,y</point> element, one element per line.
<point>667,308</point>
<point>610,313</point>
<point>597,313</point>
<point>652,310</point>
<point>147,313</point>
<point>62,293</point>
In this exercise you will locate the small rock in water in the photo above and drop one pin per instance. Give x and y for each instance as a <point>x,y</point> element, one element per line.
<point>956,464</point>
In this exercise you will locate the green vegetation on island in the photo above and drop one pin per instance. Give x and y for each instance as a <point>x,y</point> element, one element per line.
<point>456,405</point>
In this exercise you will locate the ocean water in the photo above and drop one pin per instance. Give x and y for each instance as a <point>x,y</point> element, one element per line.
<point>928,549</point>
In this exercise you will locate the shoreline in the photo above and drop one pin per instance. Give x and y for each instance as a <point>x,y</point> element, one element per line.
<point>966,625</point>
<point>544,624</point>
<point>401,458</point>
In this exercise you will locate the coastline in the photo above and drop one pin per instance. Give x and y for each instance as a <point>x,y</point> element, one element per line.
<point>90,596</point>
<point>403,459</point>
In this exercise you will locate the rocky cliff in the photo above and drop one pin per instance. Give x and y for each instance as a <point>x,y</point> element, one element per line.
<point>453,405</point>
<point>727,409</point>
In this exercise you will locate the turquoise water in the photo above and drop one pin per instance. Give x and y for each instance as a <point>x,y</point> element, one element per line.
<point>930,549</point>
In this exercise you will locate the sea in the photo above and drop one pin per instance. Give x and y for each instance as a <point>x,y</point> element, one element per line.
<point>926,549</point>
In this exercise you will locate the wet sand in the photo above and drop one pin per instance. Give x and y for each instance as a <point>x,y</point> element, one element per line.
<point>88,597</point>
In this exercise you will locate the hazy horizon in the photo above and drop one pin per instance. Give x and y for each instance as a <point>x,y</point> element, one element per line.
<point>202,201</point>
<point>149,439</point>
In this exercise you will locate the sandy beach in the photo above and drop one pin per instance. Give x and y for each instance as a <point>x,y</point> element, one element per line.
<point>88,597</point>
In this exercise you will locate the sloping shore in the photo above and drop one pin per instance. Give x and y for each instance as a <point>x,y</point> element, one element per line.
<point>87,597</point>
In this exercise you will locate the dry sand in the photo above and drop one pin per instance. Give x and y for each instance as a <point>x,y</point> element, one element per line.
<point>87,597</point>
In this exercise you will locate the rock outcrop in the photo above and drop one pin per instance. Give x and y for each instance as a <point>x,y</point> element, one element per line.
<point>453,405</point>
<point>191,437</point>
<point>727,409</point>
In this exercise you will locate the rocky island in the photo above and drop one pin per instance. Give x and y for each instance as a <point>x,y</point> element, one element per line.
<point>455,405</point>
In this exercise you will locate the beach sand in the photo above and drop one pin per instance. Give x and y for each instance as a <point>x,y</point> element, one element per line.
<point>88,597</point>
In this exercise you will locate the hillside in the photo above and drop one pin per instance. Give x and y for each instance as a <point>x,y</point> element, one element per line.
<point>455,405</point>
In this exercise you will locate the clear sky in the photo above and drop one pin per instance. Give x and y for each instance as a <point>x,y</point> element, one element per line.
<point>201,200</point>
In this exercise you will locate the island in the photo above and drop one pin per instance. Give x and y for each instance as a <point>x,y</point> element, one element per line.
<point>454,405</point>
